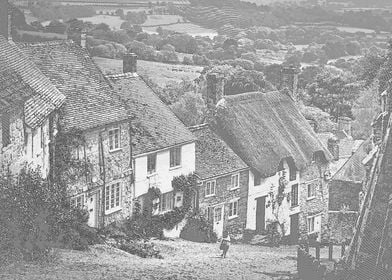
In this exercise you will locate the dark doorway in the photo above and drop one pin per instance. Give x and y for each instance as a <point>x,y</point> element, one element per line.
<point>260,214</point>
<point>294,228</point>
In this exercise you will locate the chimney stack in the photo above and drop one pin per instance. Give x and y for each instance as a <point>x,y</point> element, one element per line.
<point>333,147</point>
<point>290,80</point>
<point>130,63</point>
<point>83,39</point>
<point>215,89</point>
<point>5,19</point>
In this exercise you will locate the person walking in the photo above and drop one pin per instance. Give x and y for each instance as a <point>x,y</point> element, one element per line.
<point>225,243</point>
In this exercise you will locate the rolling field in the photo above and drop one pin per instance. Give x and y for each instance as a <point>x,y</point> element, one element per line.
<point>160,73</point>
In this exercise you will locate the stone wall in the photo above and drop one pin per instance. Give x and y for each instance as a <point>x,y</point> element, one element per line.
<point>314,174</point>
<point>224,195</point>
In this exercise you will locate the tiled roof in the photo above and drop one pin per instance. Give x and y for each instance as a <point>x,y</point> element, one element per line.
<point>264,128</point>
<point>213,156</point>
<point>353,170</point>
<point>90,100</point>
<point>13,90</point>
<point>27,81</point>
<point>154,125</point>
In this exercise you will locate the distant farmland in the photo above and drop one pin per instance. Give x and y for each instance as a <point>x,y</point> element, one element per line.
<point>160,73</point>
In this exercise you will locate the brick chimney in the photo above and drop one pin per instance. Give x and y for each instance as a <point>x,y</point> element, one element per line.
<point>290,80</point>
<point>130,63</point>
<point>333,147</point>
<point>215,89</point>
<point>5,19</point>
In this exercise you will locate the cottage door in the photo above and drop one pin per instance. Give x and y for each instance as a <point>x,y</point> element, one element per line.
<point>260,214</point>
<point>93,209</point>
<point>218,220</point>
<point>294,228</point>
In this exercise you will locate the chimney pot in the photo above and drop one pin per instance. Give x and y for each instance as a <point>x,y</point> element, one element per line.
<point>333,147</point>
<point>83,39</point>
<point>130,63</point>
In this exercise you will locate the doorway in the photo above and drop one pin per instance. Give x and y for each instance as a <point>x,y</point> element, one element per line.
<point>294,228</point>
<point>218,220</point>
<point>260,214</point>
<point>93,209</point>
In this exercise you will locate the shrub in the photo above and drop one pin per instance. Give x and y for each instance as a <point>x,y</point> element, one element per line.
<point>198,229</point>
<point>142,249</point>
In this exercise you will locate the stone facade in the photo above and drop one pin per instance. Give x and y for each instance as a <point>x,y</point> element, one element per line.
<point>107,168</point>
<point>224,194</point>
<point>314,205</point>
<point>28,147</point>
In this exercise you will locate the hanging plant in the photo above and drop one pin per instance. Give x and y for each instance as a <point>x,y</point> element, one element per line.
<point>288,197</point>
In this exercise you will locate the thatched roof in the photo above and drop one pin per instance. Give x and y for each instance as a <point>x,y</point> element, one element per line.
<point>264,128</point>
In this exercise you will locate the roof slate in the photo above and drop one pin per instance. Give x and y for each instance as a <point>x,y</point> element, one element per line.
<point>28,84</point>
<point>90,99</point>
<point>154,125</point>
<point>264,128</point>
<point>353,170</point>
<point>213,156</point>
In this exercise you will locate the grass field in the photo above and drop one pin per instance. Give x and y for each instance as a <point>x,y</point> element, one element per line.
<point>160,73</point>
<point>161,19</point>
<point>182,260</point>
<point>113,21</point>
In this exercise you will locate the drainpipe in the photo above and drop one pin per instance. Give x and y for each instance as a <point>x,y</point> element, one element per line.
<point>102,175</point>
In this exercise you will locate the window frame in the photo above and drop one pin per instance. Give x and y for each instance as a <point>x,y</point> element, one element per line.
<point>313,218</point>
<point>312,191</point>
<point>154,170</point>
<point>175,157</point>
<point>294,195</point>
<point>232,187</point>
<point>231,213</point>
<point>210,193</point>
<point>112,140</point>
<point>78,198</point>
<point>163,201</point>
<point>113,196</point>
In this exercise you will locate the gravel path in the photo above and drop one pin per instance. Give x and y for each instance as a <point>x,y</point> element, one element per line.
<point>182,260</point>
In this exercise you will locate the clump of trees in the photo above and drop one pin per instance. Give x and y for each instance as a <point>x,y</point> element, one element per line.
<point>35,216</point>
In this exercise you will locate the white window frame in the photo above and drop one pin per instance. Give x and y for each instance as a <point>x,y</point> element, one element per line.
<point>208,186</point>
<point>78,201</point>
<point>113,196</point>
<point>233,214</point>
<point>313,218</point>
<point>313,186</point>
<point>232,186</point>
<point>175,150</point>
<point>164,202</point>
<point>113,146</point>
<point>149,172</point>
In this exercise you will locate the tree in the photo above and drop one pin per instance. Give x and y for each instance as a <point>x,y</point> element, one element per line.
<point>369,65</point>
<point>190,108</point>
<point>56,26</point>
<point>385,73</point>
<point>333,93</point>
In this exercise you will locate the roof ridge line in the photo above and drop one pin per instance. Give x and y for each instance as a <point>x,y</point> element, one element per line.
<point>198,126</point>
<point>46,43</point>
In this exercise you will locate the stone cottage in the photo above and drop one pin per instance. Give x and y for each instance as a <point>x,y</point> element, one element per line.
<point>29,105</point>
<point>93,130</point>
<point>162,147</point>
<point>289,166</point>
<point>224,176</point>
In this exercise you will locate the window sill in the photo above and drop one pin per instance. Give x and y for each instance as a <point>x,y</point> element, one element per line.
<point>232,217</point>
<point>151,174</point>
<point>310,198</point>
<point>175,167</point>
<point>294,206</point>
<point>113,210</point>
<point>233,189</point>
<point>210,195</point>
<point>115,150</point>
